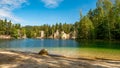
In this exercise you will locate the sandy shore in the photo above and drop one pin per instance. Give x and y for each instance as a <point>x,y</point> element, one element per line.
<point>17,59</point>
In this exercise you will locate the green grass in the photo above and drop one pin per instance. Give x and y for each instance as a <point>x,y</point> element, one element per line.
<point>100,53</point>
<point>89,53</point>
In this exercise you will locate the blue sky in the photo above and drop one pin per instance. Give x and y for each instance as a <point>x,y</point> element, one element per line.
<point>39,12</point>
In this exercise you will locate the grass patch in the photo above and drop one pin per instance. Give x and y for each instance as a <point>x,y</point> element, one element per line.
<point>100,53</point>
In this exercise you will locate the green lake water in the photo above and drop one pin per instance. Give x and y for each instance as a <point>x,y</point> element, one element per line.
<point>70,48</point>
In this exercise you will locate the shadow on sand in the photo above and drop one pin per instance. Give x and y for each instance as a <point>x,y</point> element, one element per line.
<point>33,60</point>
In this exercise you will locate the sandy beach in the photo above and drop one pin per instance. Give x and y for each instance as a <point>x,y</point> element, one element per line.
<point>17,59</point>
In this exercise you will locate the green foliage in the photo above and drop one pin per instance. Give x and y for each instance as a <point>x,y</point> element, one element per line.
<point>86,29</point>
<point>106,19</point>
<point>49,30</point>
<point>14,33</point>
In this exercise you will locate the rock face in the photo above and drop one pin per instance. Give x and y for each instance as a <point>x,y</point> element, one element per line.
<point>42,34</point>
<point>64,35</point>
<point>24,36</point>
<point>43,52</point>
<point>59,35</point>
<point>73,35</point>
<point>5,37</point>
<point>56,35</point>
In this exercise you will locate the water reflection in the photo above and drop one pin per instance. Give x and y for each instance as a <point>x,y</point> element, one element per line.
<point>100,44</point>
<point>32,43</point>
<point>63,47</point>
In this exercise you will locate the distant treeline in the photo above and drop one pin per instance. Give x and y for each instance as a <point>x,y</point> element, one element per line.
<point>34,31</point>
<point>103,23</point>
<point>16,30</point>
<point>7,28</point>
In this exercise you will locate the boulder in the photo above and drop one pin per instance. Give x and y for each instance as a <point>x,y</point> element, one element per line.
<point>43,52</point>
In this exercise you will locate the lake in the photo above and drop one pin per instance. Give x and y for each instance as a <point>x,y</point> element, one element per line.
<point>70,48</point>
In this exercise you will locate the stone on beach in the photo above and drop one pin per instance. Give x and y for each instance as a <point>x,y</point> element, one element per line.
<point>43,52</point>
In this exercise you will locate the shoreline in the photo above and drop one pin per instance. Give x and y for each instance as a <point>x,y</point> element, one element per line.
<point>18,59</point>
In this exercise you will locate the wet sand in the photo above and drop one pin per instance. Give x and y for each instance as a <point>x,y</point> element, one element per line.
<point>17,59</point>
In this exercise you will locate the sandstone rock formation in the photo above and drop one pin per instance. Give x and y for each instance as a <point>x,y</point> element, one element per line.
<point>56,35</point>
<point>64,35</point>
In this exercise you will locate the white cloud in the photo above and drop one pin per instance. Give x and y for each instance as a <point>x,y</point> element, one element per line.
<point>9,15</point>
<point>7,6</point>
<point>51,3</point>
